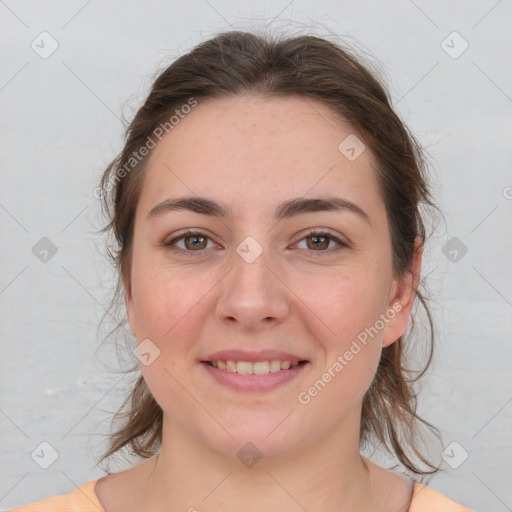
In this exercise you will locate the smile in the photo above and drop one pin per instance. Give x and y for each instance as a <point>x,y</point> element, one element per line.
<point>257,376</point>
<point>254,368</point>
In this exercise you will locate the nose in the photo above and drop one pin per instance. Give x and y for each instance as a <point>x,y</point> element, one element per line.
<point>253,295</point>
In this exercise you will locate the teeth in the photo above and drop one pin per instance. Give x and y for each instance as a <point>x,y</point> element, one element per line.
<point>275,365</point>
<point>261,367</point>
<point>257,368</point>
<point>244,368</point>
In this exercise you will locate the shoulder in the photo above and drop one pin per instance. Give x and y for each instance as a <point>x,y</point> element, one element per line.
<point>425,499</point>
<point>81,499</point>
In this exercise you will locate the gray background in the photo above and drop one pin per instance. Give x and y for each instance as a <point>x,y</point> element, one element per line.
<point>60,125</point>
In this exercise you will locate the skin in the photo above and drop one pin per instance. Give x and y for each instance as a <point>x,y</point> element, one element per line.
<point>252,153</point>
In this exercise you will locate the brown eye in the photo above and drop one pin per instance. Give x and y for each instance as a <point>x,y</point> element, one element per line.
<point>318,242</point>
<point>189,242</point>
<point>195,242</point>
<point>322,242</point>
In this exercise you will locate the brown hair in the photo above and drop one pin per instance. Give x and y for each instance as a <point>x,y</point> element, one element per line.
<point>234,63</point>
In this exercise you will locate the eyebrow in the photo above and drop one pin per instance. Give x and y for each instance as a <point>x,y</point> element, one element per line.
<point>297,206</point>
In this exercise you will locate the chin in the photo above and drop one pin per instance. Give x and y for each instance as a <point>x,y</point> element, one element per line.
<point>252,439</point>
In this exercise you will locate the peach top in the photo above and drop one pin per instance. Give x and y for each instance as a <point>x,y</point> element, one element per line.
<point>84,499</point>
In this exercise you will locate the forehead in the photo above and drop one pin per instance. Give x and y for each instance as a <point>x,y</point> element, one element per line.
<point>257,148</point>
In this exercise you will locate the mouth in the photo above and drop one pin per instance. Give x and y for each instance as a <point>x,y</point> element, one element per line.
<point>254,368</point>
<point>253,376</point>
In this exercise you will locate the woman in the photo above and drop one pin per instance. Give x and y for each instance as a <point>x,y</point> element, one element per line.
<point>266,207</point>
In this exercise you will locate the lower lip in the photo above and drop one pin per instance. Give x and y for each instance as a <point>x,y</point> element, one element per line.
<point>253,382</point>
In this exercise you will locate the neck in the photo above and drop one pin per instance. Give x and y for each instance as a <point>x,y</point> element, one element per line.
<point>188,475</point>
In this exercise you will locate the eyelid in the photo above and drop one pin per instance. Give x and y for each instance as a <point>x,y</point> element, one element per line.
<point>170,245</point>
<point>340,241</point>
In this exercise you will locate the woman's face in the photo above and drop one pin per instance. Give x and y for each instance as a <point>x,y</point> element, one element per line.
<point>254,286</point>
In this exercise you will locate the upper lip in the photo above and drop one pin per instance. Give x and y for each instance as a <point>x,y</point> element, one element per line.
<point>254,356</point>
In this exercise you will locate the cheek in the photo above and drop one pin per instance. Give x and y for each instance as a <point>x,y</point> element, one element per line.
<point>168,309</point>
<point>346,303</point>
<point>171,308</point>
<point>163,297</point>
<point>349,306</point>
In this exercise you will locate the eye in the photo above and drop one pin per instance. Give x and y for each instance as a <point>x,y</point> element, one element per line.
<point>196,242</point>
<point>193,241</point>
<point>321,240</point>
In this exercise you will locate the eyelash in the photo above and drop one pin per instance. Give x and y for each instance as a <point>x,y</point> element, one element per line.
<point>312,232</point>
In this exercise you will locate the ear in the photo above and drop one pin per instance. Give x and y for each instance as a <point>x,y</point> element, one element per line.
<point>130,308</point>
<point>403,292</point>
